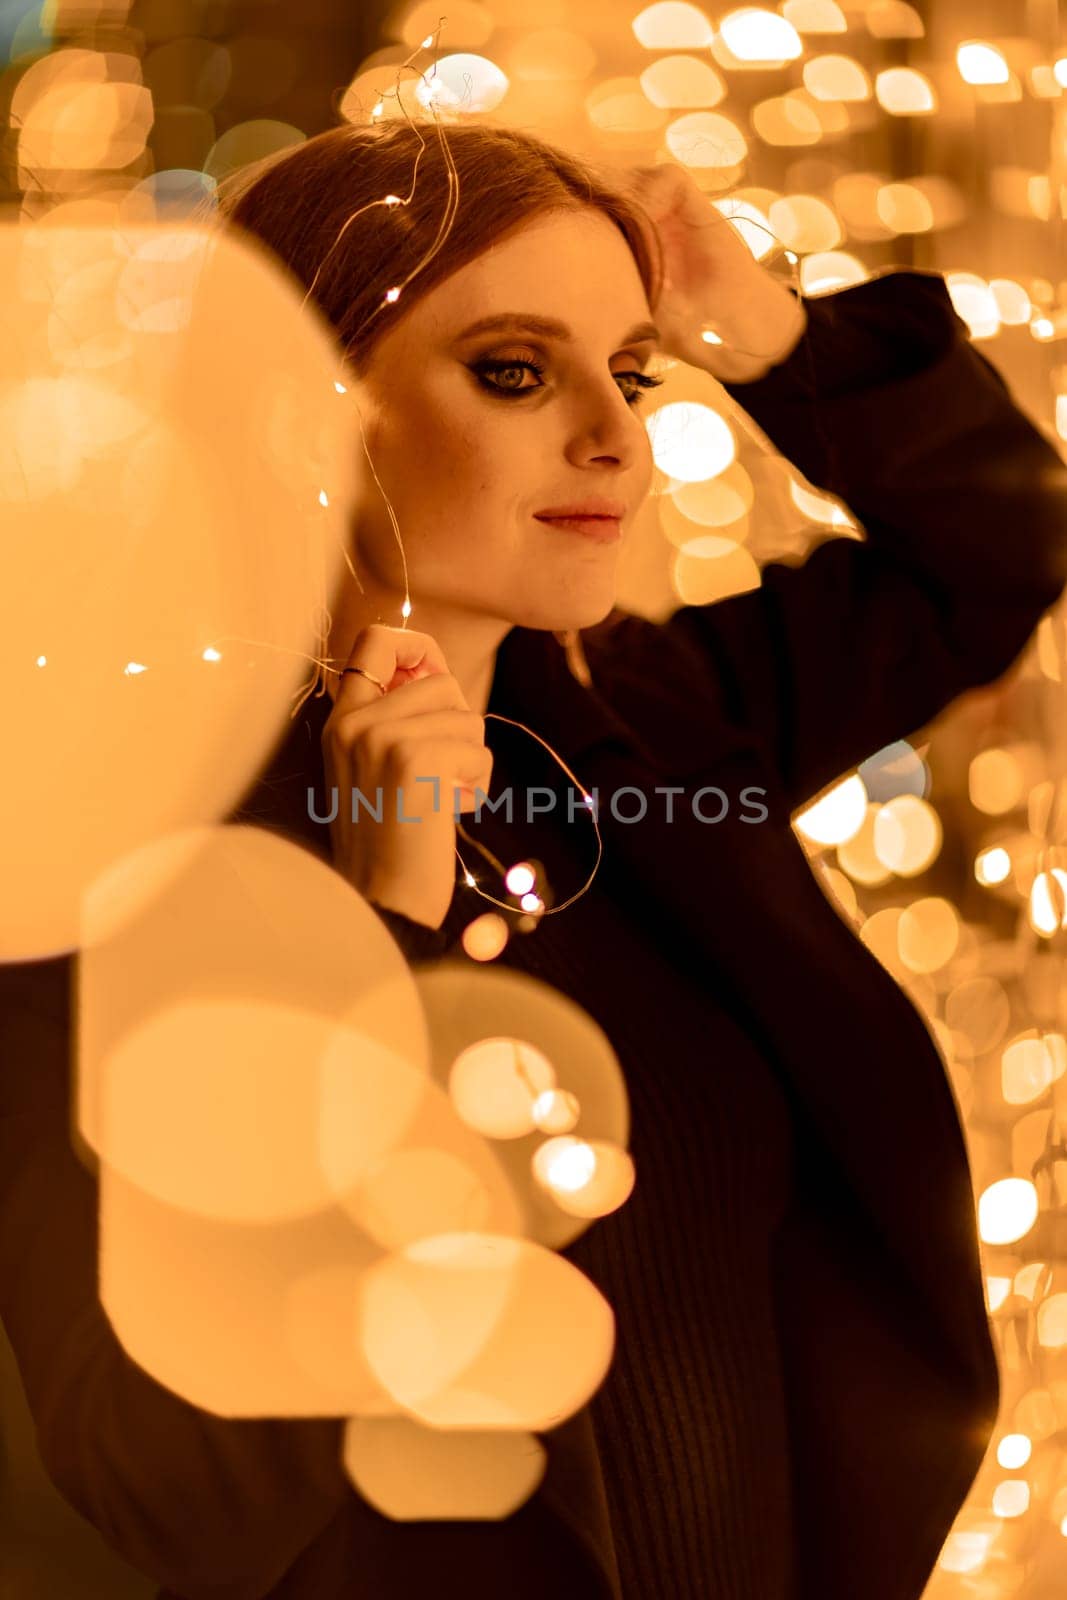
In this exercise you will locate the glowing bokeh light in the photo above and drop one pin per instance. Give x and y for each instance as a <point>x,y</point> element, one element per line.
<point>1007,1210</point>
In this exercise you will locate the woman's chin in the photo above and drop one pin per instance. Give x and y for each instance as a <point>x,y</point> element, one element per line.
<point>576,612</point>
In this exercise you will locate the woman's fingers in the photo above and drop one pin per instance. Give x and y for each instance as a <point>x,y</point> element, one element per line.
<point>395,656</point>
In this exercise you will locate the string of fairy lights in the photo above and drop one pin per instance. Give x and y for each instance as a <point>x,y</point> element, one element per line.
<point>813,77</point>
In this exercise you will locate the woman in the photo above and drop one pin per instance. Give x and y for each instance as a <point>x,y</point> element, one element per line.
<point>804,1383</point>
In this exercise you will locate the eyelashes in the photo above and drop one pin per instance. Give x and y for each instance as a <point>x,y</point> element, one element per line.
<point>489,365</point>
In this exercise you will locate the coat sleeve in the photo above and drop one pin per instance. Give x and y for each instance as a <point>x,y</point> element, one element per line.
<point>887,405</point>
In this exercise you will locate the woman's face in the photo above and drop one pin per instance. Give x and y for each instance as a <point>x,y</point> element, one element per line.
<point>469,445</point>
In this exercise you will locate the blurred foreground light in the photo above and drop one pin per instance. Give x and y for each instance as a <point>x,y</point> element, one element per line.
<point>587,1178</point>
<point>493,1085</point>
<point>485,937</point>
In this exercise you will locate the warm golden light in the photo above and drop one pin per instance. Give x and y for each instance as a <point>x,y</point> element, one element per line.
<point>857,856</point>
<point>485,937</point>
<point>981,63</point>
<point>587,1178</point>
<point>805,223</point>
<point>463,82</point>
<point>754,35</point>
<point>907,835</point>
<point>928,934</point>
<point>1027,1070</point>
<point>992,866</point>
<point>1048,902</point>
<point>494,1083</point>
<point>837,816</point>
<point>520,878</point>
<point>964,1551</point>
<point>815,16</point>
<point>706,139</point>
<point>1007,1210</point>
<point>1052,1323</point>
<point>677,82</point>
<point>904,92</point>
<point>1011,1498</point>
<point>1014,1451</point>
<point>836,78</point>
<point>673,25</point>
<point>690,441</point>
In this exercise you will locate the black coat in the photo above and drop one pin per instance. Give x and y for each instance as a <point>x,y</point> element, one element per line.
<point>892,1382</point>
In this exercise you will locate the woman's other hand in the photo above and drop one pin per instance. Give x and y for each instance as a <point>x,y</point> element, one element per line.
<point>711,278</point>
<point>424,749</point>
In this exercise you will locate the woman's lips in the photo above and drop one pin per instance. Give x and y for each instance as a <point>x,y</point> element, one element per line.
<point>602,530</point>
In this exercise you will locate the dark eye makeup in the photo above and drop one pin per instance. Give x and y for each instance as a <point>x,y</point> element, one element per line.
<point>490,365</point>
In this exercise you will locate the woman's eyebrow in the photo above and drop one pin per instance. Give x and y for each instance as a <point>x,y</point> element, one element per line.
<point>547,327</point>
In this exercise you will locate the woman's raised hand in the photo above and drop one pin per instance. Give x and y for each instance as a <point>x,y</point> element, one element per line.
<point>421,729</point>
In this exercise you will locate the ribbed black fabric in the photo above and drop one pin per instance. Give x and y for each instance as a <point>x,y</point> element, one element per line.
<point>690,1421</point>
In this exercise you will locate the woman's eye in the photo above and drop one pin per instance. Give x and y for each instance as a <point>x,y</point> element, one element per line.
<point>496,376</point>
<point>498,373</point>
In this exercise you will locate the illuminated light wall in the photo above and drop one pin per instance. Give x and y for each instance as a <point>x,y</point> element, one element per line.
<point>849,137</point>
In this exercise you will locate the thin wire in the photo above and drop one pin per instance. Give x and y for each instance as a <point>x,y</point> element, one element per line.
<point>590,809</point>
